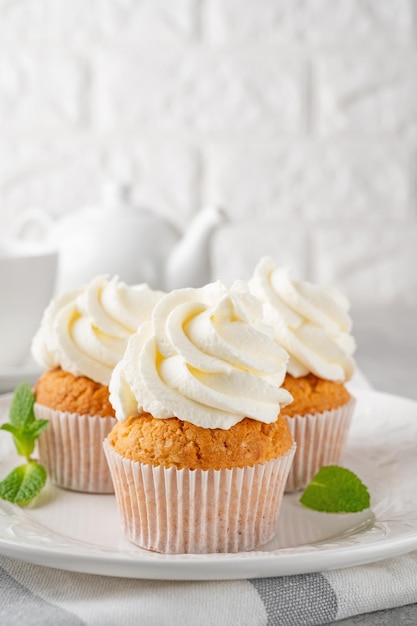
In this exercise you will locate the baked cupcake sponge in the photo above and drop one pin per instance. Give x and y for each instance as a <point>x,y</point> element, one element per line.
<point>176,443</point>
<point>313,395</point>
<point>62,391</point>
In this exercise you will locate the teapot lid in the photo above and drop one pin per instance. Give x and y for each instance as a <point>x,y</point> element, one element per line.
<point>118,196</point>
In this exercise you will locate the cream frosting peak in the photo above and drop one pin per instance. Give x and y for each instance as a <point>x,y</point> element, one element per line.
<point>206,357</point>
<point>85,331</point>
<point>310,321</point>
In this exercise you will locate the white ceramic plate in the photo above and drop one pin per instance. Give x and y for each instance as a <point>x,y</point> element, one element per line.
<point>81,532</point>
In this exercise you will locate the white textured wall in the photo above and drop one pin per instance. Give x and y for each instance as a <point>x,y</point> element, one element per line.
<point>299,117</point>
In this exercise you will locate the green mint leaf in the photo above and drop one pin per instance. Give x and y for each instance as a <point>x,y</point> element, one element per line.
<point>336,489</point>
<point>37,427</point>
<point>23,483</point>
<point>23,440</point>
<point>10,428</point>
<point>23,425</point>
<point>21,407</point>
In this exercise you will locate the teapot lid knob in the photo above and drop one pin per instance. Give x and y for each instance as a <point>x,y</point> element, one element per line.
<point>117,195</point>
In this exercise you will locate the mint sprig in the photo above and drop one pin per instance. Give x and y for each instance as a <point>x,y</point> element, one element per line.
<point>27,480</point>
<point>335,489</point>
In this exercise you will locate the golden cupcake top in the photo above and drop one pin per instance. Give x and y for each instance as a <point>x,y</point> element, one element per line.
<point>62,391</point>
<point>314,395</point>
<point>175,443</point>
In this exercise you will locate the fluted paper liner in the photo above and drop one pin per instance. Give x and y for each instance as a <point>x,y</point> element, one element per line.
<point>71,449</point>
<point>321,440</point>
<point>198,511</point>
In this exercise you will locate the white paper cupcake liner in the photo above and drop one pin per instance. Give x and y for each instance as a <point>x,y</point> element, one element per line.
<point>194,511</point>
<point>321,440</point>
<point>71,449</point>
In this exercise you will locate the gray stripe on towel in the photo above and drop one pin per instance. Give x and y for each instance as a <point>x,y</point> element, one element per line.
<point>20,607</point>
<point>301,600</point>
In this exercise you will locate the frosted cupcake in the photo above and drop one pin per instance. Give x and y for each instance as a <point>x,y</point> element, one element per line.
<point>312,323</point>
<point>200,455</point>
<point>83,334</point>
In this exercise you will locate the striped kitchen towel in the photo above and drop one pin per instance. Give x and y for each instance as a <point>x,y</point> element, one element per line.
<point>42,596</point>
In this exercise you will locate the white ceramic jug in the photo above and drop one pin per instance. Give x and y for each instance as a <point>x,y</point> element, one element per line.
<point>27,283</point>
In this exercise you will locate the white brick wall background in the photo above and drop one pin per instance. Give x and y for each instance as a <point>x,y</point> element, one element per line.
<point>298,117</point>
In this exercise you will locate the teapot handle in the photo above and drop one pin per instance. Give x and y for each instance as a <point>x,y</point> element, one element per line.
<point>34,224</point>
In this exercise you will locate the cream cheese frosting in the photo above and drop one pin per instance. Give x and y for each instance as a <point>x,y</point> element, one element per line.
<point>205,357</point>
<point>310,321</point>
<point>85,330</point>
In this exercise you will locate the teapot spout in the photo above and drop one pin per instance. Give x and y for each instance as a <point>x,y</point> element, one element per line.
<point>189,265</point>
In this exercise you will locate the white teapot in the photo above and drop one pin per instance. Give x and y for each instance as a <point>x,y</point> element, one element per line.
<point>134,244</point>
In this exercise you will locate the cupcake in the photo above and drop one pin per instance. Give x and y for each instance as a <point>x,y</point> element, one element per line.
<point>200,455</point>
<point>82,336</point>
<point>312,323</point>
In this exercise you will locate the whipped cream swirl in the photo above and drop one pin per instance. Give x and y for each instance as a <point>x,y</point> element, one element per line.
<point>85,331</point>
<point>206,357</point>
<point>310,321</point>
